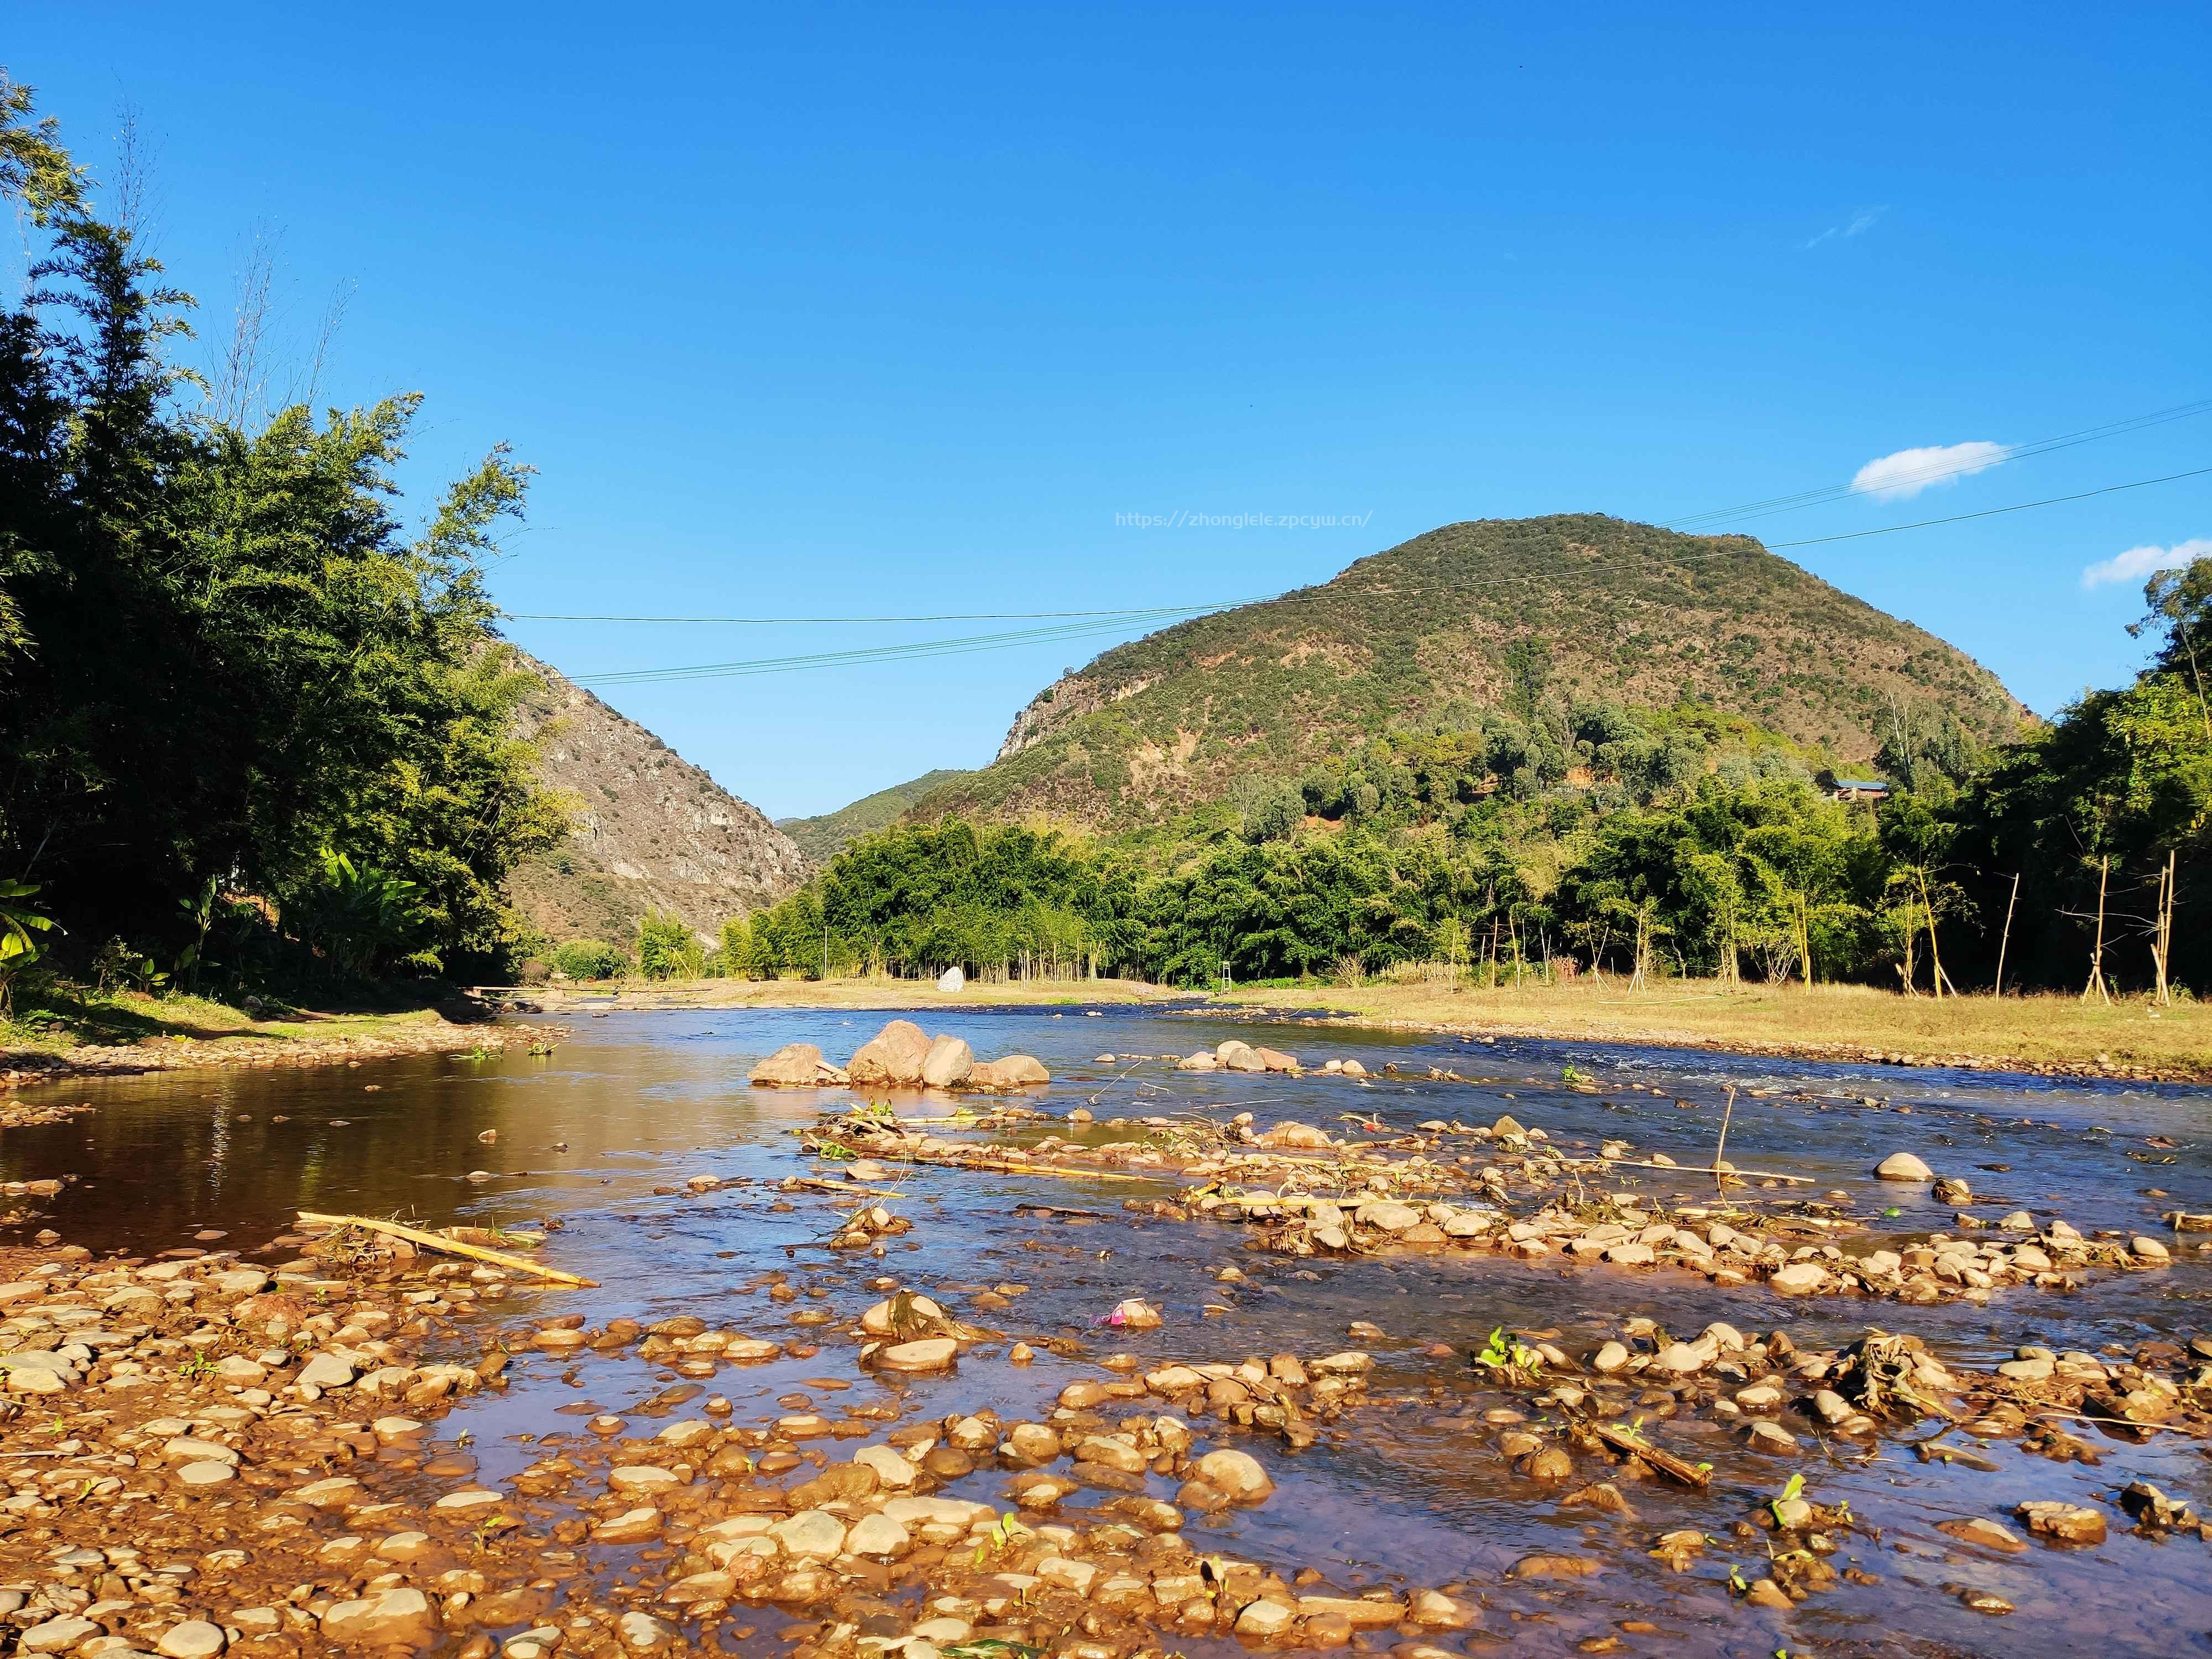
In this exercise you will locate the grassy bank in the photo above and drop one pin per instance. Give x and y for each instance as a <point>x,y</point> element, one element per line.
<point>79,1032</point>
<point>2050,1033</point>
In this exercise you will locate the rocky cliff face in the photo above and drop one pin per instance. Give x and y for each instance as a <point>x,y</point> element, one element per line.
<point>653,831</point>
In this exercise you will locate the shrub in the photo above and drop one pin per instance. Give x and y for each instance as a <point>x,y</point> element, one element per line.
<point>588,958</point>
<point>667,948</point>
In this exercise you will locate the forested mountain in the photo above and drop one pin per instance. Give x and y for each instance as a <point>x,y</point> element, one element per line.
<point>649,830</point>
<point>1519,620</point>
<point>819,838</point>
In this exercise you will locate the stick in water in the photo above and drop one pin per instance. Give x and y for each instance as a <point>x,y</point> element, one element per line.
<point>1720,1176</point>
<point>450,1246</point>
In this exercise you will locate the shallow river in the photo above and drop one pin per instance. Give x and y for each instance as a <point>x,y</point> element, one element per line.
<point>1411,1491</point>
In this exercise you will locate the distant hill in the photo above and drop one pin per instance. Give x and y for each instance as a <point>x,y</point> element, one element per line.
<point>1494,614</point>
<point>653,831</point>
<point>819,838</point>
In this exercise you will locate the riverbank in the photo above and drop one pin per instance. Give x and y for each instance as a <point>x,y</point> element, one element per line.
<point>127,1033</point>
<point>2044,1034</point>
<point>883,992</point>
<point>2047,1035</point>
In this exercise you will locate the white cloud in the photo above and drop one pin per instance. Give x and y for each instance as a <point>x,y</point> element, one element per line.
<point>2139,562</point>
<point>1905,474</point>
<point>1857,225</point>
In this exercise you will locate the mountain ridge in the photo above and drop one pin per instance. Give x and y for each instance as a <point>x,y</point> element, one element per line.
<point>1483,616</point>
<point>820,836</point>
<point>651,830</point>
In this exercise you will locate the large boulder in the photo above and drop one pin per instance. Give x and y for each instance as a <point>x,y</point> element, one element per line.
<point>951,980</point>
<point>947,1064</point>
<point>1902,1166</point>
<point>1235,1056</point>
<point>1014,1071</point>
<point>894,1055</point>
<point>794,1066</point>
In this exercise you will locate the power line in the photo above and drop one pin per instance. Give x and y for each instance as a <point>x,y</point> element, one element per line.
<point>1991,512</point>
<point>1936,474</point>
<point>965,645</point>
<point>949,616</point>
<point>1749,510</point>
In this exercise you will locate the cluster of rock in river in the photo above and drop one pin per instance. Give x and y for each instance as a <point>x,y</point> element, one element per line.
<point>235,1462</point>
<point>900,1056</point>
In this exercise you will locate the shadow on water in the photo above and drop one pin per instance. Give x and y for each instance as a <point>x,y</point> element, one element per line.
<point>1416,1488</point>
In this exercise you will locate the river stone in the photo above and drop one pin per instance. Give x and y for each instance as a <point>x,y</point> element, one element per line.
<point>878,1534</point>
<point>393,1618</point>
<point>1677,1359</point>
<point>468,1500</point>
<point>931,1354</point>
<point>1609,1358</point>
<point>56,1636</point>
<point>794,1066</point>
<point>1902,1166</point>
<point>2070,1523</point>
<point>1988,1534</point>
<point>1020,1071</point>
<point>1236,1056</point>
<point>325,1370</point>
<point>1954,1189</point>
<point>1550,1464</point>
<point>1276,1060</point>
<point>183,1448</point>
<point>947,1063</point>
<point>813,1534</point>
<point>195,1638</point>
<point>1201,1062</point>
<point>894,1055</point>
<point>630,1527</point>
<point>207,1473</point>
<point>1798,1279</point>
<point>2150,1248</point>
<point>876,1321</point>
<point>1386,1216</point>
<point>892,1470</point>
<point>641,1480</point>
<point>1236,1473</point>
<point>1549,1566</point>
<point>1262,1619</point>
<point>1772,1438</point>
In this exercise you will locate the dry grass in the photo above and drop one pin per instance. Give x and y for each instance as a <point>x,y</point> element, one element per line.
<point>1843,1021</point>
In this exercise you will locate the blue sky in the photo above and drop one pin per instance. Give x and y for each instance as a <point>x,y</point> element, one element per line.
<point>852,309</point>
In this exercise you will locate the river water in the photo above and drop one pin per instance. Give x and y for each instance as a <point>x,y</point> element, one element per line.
<point>1414,1489</point>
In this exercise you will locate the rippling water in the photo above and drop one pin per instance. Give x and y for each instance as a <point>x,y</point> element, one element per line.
<point>1416,1490</point>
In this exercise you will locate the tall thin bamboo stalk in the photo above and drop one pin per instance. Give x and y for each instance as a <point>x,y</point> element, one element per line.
<point>2097,952</point>
<point>2005,939</point>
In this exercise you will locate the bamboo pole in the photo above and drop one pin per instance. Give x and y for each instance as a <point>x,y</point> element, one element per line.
<point>2006,939</point>
<point>448,1246</point>
<point>1726,1111</point>
<point>2097,952</point>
